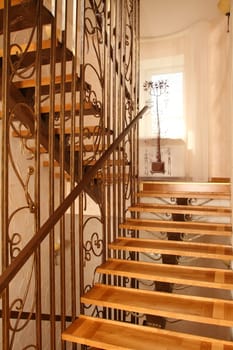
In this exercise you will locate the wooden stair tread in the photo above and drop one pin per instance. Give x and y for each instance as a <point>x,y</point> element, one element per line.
<point>92,147</point>
<point>88,108</point>
<point>42,149</point>
<point>106,334</point>
<point>112,177</point>
<point>189,275</point>
<point>88,130</point>
<point>181,248</point>
<point>220,179</point>
<point>46,44</point>
<point>187,194</point>
<point>189,187</point>
<point>191,308</point>
<point>30,56</point>
<point>23,133</point>
<point>116,162</point>
<point>23,14</point>
<point>13,3</point>
<point>178,226</point>
<point>106,178</point>
<point>181,209</point>
<point>90,163</point>
<point>46,81</point>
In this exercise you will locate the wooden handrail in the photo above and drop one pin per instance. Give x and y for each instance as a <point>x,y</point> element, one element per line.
<point>36,240</point>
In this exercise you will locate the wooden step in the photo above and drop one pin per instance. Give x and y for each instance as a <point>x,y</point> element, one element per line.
<point>33,149</point>
<point>190,308</point>
<point>116,162</point>
<point>180,248</point>
<point>88,109</point>
<point>15,51</point>
<point>23,133</point>
<point>88,130</point>
<point>106,334</point>
<point>90,163</point>
<point>28,84</point>
<point>188,275</point>
<point>181,209</point>
<point>107,179</point>
<point>13,3</point>
<point>30,56</point>
<point>66,176</point>
<point>220,179</point>
<point>92,148</point>
<point>23,14</point>
<point>176,186</point>
<point>189,195</point>
<point>189,227</point>
<point>185,190</point>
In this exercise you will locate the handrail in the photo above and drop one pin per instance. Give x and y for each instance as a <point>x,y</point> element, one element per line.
<point>33,244</point>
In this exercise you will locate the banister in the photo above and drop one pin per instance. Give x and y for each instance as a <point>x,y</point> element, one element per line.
<point>99,21</point>
<point>33,244</point>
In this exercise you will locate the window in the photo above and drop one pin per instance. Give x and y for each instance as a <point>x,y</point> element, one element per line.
<point>170,107</point>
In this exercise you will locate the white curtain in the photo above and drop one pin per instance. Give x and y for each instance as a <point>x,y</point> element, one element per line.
<point>196,100</point>
<point>219,110</point>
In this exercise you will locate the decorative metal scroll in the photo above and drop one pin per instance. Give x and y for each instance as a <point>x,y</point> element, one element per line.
<point>109,63</point>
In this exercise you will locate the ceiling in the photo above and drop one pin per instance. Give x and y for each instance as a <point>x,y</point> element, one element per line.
<point>163,17</point>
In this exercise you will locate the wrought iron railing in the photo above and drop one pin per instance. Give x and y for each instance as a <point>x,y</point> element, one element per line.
<point>69,92</point>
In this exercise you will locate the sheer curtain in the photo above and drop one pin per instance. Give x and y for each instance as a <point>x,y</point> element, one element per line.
<point>204,47</point>
<point>196,75</point>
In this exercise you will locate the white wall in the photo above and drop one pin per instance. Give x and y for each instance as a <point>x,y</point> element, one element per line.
<point>166,17</point>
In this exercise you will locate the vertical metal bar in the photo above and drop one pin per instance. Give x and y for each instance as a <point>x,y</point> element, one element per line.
<point>124,98</point>
<point>135,94</point>
<point>137,84</point>
<point>73,168</point>
<point>62,177</point>
<point>83,6</point>
<point>51,146</point>
<point>37,174</point>
<point>121,102</point>
<point>113,34</point>
<point>107,122</point>
<point>4,168</point>
<point>115,112</point>
<point>106,181</point>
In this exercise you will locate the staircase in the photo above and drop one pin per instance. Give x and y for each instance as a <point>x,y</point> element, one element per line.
<point>167,281</point>
<point>169,244</point>
<point>91,139</point>
<point>64,103</point>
